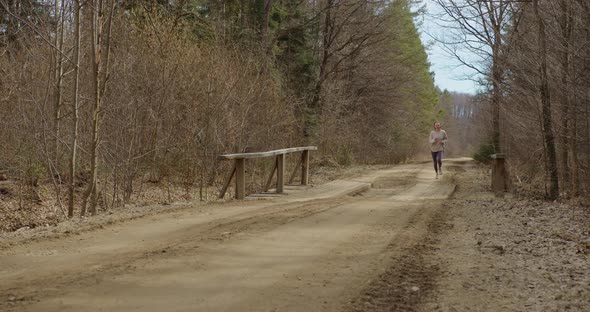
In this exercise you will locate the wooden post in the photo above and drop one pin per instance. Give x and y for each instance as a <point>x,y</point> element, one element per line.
<point>280,173</point>
<point>240,178</point>
<point>227,182</point>
<point>499,174</point>
<point>305,167</point>
<point>272,173</point>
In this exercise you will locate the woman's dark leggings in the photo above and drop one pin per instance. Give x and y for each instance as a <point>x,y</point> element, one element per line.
<point>437,158</point>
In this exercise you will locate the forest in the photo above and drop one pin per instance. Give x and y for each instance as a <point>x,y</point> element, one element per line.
<point>102,99</point>
<point>533,68</point>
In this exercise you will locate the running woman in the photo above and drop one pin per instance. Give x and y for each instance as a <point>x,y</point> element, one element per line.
<point>438,138</point>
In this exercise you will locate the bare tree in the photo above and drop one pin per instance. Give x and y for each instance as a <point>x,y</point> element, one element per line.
<point>75,107</point>
<point>100,73</point>
<point>59,31</point>
<point>481,27</point>
<point>546,106</point>
<point>346,29</point>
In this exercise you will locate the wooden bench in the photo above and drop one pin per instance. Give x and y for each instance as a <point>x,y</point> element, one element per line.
<point>239,170</point>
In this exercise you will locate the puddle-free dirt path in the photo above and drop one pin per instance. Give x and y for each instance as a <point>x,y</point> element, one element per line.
<point>310,251</point>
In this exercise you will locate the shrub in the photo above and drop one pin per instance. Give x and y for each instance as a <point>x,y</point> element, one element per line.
<point>484,152</point>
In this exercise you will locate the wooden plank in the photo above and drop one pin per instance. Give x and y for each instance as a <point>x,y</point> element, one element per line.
<point>269,153</point>
<point>294,172</point>
<point>240,178</point>
<point>305,168</point>
<point>272,173</point>
<point>227,182</point>
<point>280,173</point>
<point>240,168</point>
<point>266,195</point>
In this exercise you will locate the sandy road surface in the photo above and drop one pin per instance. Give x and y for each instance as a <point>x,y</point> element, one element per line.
<point>312,250</point>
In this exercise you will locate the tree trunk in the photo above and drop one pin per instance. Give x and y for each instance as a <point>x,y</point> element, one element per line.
<point>314,107</point>
<point>565,25</point>
<point>497,77</point>
<point>95,22</point>
<point>264,25</point>
<point>546,109</point>
<point>74,144</point>
<point>100,75</point>
<point>59,40</point>
<point>574,178</point>
<point>586,91</point>
<point>500,177</point>
<point>573,109</point>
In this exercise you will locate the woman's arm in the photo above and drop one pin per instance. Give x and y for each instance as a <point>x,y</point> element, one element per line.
<point>431,139</point>
<point>444,140</point>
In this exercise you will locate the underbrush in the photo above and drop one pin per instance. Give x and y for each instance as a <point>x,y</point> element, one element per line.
<point>23,208</point>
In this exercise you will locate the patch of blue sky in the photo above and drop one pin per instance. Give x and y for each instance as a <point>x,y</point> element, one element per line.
<point>449,72</point>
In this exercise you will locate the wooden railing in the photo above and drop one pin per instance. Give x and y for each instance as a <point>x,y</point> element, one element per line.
<point>239,170</point>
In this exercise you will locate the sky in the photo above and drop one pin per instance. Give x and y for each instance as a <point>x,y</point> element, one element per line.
<point>448,73</point>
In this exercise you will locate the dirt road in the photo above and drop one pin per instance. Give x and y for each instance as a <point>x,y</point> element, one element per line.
<point>313,250</point>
